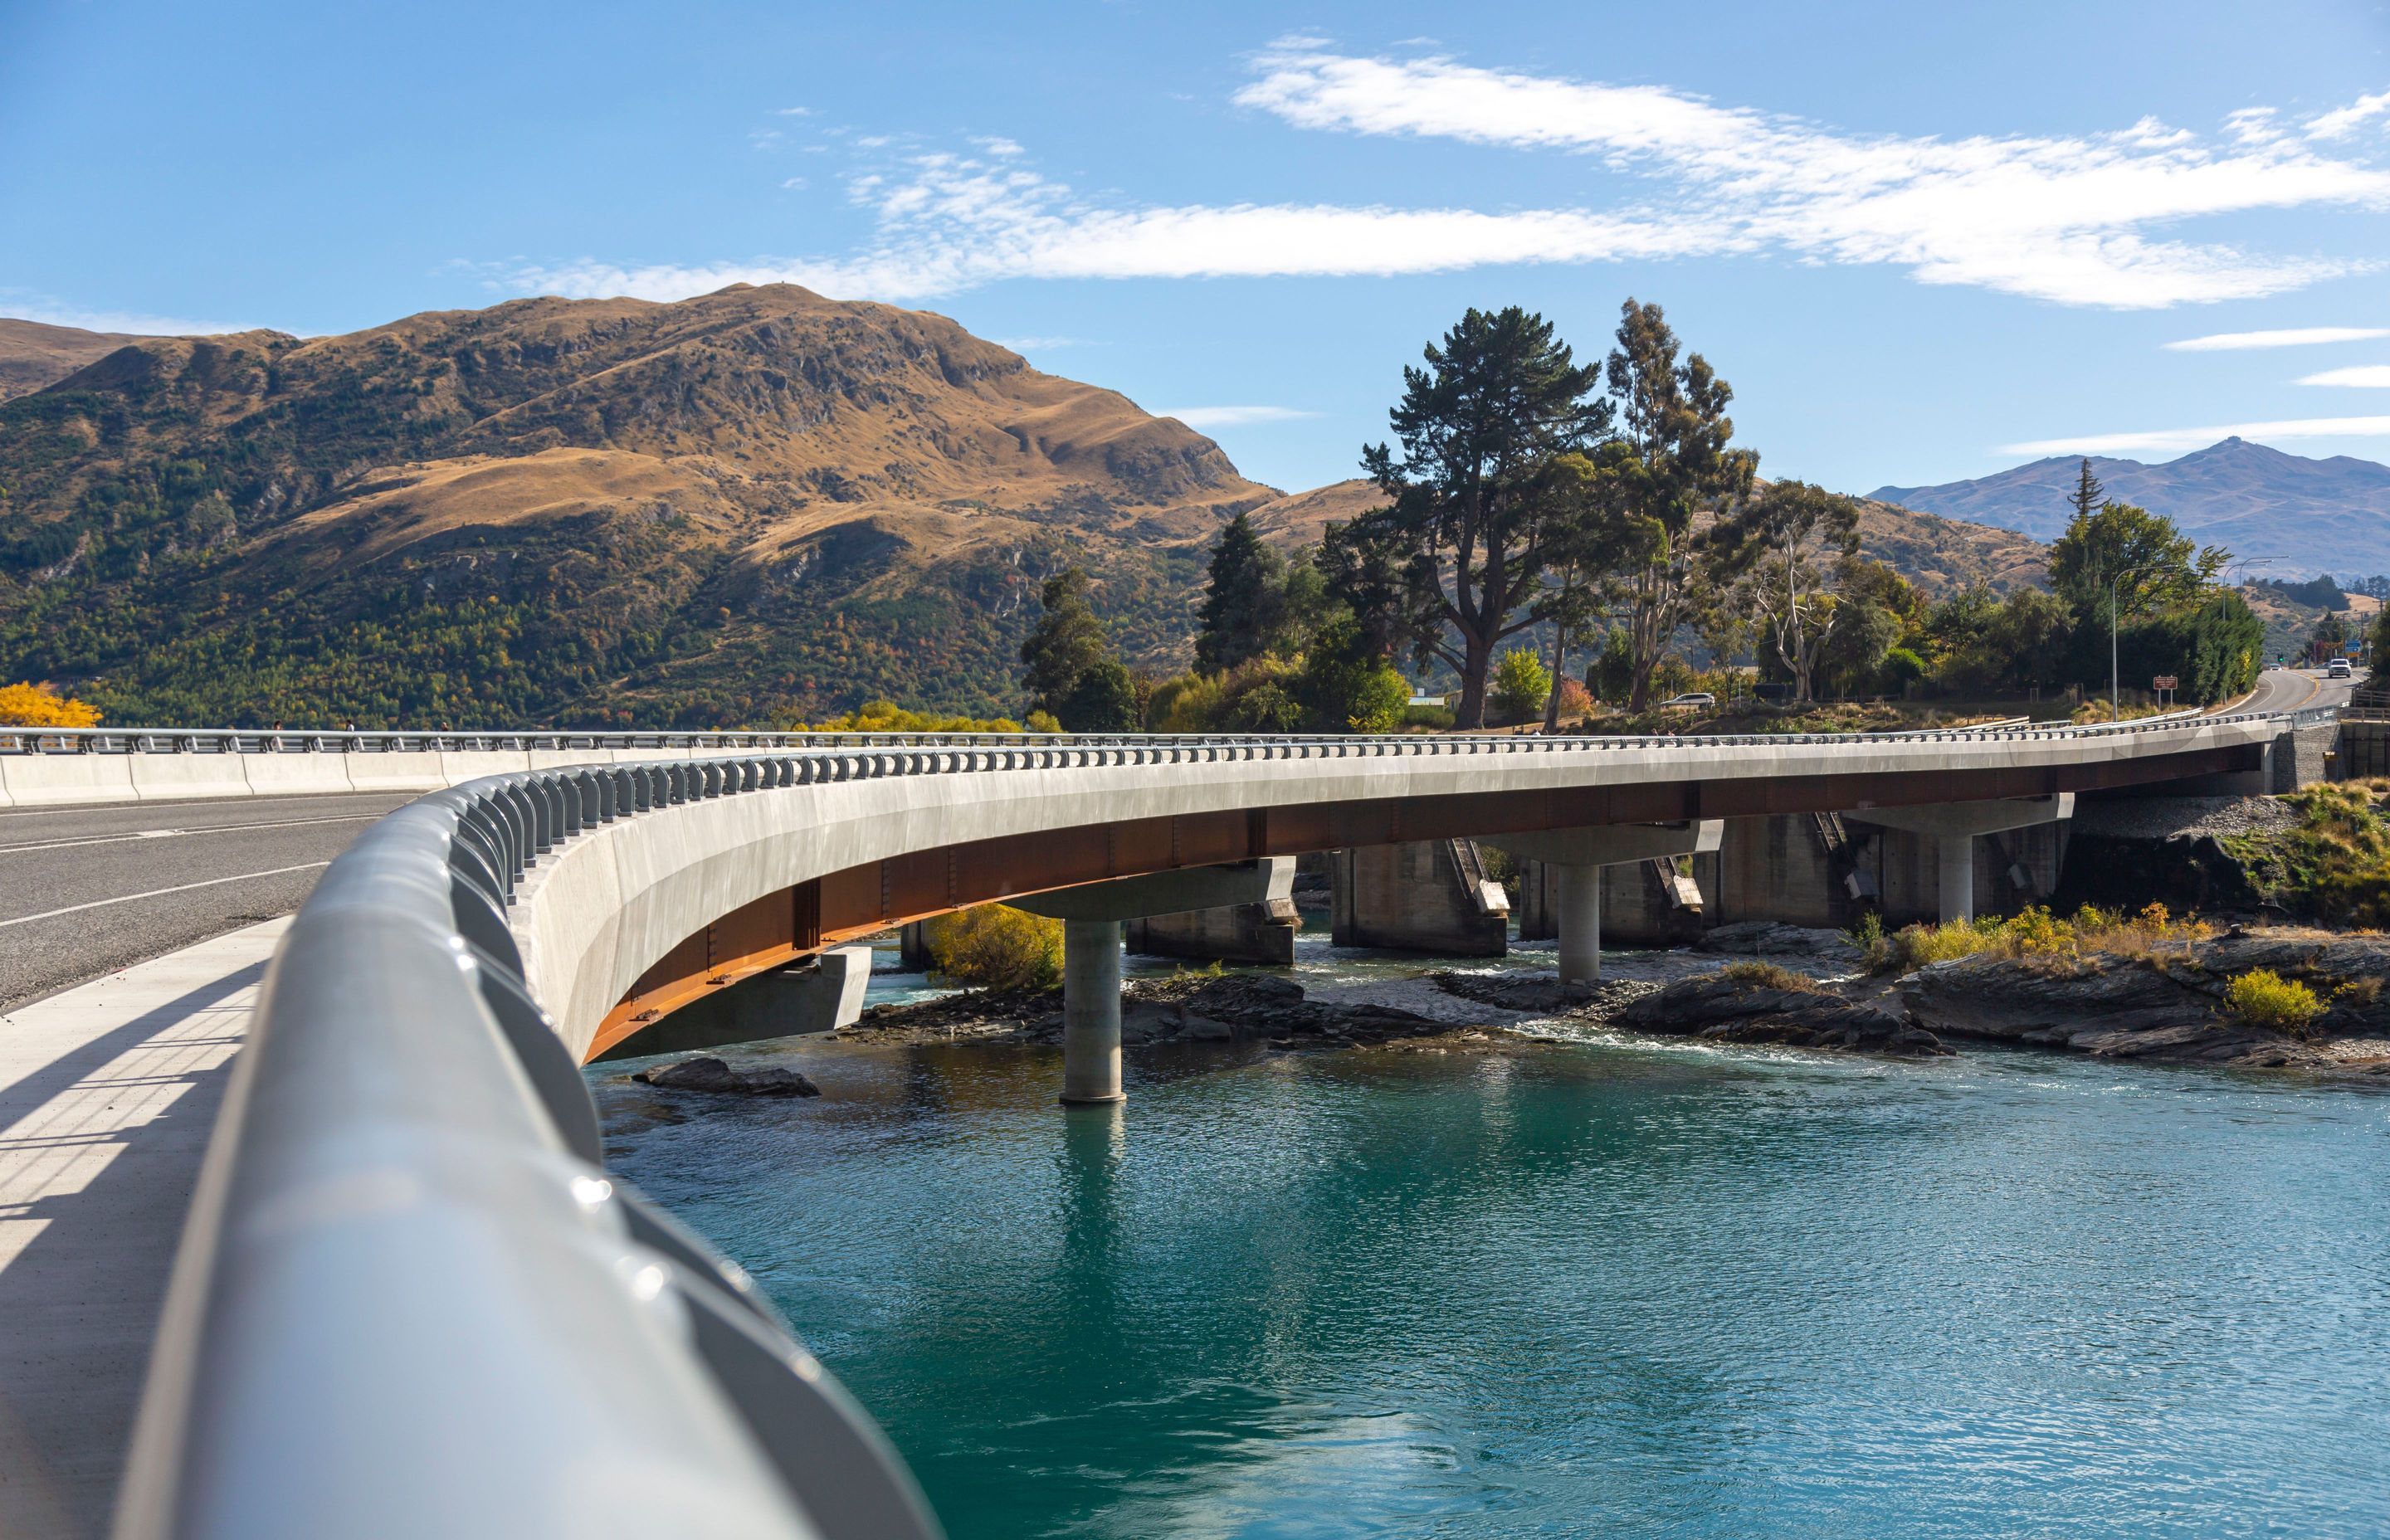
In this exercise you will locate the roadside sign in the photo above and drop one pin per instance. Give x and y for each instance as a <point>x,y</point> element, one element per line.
<point>2166,682</point>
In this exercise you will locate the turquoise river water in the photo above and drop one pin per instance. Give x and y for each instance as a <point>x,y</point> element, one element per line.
<point>1615,1286</point>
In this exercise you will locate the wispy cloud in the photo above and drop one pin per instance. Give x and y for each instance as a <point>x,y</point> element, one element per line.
<point>2341,122</point>
<point>1231,416</point>
<point>2056,218</point>
<point>1667,174</point>
<point>2374,377</point>
<point>2294,337</point>
<point>2200,438</point>
<point>1038,344</point>
<point>25,306</point>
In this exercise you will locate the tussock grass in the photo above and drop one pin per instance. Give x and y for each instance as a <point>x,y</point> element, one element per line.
<point>1768,975</point>
<point>2035,935</point>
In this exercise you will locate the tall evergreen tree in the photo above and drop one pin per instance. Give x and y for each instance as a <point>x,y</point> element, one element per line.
<point>2089,494</point>
<point>1501,399</point>
<point>1673,417</point>
<point>1067,646</point>
<point>1244,602</point>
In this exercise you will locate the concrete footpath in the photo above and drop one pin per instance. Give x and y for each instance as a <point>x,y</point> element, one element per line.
<point>107,1095</point>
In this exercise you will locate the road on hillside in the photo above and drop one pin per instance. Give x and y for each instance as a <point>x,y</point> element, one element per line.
<point>2292,689</point>
<point>86,891</point>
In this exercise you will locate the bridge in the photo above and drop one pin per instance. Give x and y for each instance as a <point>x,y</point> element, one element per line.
<point>410,1299</point>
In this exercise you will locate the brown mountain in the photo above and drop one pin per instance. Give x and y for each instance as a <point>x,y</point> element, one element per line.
<point>752,503</point>
<point>33,355</point>
<point>750,506</point>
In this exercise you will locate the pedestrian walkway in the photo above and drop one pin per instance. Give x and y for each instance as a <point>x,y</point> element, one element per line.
<point>108,1094</point>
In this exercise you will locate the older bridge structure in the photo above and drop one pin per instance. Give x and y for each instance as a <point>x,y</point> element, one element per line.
<point>410,1299</point>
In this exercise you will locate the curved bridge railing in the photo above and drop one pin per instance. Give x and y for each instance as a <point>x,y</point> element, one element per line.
<point>411,1301</point>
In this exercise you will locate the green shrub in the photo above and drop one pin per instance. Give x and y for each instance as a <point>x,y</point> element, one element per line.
<point>1440,718</point>
<point>997,947</point>
<point>1522,685</point>
<point>2264,998</point>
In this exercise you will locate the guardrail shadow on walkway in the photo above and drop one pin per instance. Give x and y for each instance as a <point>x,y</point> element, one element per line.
<point>79,1302</point>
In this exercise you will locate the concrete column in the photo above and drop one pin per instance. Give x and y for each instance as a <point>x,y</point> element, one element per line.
<point>1953,826</point>
<point>1955,859</point>
<point>1091,1011</point>
<point>1580,924</point>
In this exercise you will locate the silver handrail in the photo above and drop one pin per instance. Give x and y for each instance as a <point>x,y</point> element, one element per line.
<point>410,1300</point>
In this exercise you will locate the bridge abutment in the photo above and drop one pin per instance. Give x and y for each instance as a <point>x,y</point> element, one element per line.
<point>1424,895</point>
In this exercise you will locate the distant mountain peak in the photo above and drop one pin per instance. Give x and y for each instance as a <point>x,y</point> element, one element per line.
<point>2303,515</point>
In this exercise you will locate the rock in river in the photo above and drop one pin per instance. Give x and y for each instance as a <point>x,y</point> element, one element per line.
<point>1736,1009</point>
<point>708,1074</point>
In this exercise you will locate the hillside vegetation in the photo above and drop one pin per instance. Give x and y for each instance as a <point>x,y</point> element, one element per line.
<point>756,503</point>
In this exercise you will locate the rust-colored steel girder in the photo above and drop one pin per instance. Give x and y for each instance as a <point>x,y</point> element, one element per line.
<point>859,901</point>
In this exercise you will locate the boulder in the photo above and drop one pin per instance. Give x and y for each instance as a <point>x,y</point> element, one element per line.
<point>1739,1010</point>
<point>711,1074</point>
<point>1765,938</point>
<point>2117,1008</point>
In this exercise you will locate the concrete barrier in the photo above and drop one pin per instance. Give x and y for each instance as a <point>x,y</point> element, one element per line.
<point>293,774</point>
<point>167,777</point>
<point>400,772</point>
<point>54,780</point>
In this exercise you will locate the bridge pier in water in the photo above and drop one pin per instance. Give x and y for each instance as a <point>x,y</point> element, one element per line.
<point>1578,857</point>
<point>1091,918</point>
<point>1091,1011</point>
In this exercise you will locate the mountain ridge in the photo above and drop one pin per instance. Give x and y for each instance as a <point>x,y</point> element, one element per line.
<point>2302,516</point>
<point>757,505</point>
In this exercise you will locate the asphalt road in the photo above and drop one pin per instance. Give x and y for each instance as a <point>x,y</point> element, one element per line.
<point>86,891</point>
<point>2292,689</point>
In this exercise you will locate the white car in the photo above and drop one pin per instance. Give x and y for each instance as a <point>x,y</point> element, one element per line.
<point>1696,699</point>
<point>2336,669</point>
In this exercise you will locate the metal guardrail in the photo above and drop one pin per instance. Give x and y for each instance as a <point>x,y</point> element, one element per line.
<point>228,740</point>
<point>410,1300</point>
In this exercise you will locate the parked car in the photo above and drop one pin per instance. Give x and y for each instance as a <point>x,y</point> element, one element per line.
<point>2336,669</point>
<point>1696,699</point>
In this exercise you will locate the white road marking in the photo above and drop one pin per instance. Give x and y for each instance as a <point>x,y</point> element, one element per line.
<point>178,833</point>
<point>160,893</point>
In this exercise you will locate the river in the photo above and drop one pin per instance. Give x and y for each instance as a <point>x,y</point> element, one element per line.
<point>1608,1287</point>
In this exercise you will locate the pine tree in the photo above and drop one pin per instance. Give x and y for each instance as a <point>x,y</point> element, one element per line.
<point>1066,642</point>
<point>1242,605</point>
<point>1465,532</point>
<point>2089,494</point>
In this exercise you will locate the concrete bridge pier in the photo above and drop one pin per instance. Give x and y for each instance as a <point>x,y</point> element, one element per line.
<point>1580,923</point>
<point>1091,1011</point>
<point>1577,857</point>
<point>1091,918</point>
<point>1955,826</point>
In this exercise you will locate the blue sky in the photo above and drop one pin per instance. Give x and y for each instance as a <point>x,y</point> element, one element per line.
<point>1922,242</point>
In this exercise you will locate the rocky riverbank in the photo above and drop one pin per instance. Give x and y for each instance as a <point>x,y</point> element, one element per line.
<point>1788,987</point>
<point>2170,1005</point>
